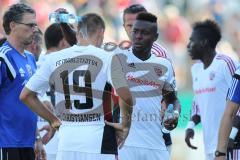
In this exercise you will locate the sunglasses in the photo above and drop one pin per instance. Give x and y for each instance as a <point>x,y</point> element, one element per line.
<point>31,25</point>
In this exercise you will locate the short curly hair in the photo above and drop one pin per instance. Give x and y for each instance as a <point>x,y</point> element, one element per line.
<point>15,13</point>
<point>209,30</point>
<point>147,17</point>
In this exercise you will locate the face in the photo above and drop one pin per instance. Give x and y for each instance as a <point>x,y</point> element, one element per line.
<point>195,46</point>
<point>35,47</point>
<point>128,23</point>
<point>143,35</point>
<point>23,30</point>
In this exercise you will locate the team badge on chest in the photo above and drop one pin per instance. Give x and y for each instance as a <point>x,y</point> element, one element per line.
<point>158,71</point>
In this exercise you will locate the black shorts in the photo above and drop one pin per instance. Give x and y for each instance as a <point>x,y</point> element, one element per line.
<point>167,139</point>
<point>17,153</point>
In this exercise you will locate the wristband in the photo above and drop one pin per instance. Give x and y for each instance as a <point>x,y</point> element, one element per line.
<point>190,125</point>
<point>219,154</point>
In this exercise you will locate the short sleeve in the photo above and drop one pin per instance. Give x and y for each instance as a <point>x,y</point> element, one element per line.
<point>39,82</point>
<point>116,75</point>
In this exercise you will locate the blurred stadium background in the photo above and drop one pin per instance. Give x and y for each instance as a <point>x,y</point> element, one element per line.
<point>174,19</point>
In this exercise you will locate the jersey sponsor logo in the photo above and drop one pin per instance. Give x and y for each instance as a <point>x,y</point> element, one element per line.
<point>143,81</point>
<point>77,60</point>
<point>91,117</point>
<point>205,90</point>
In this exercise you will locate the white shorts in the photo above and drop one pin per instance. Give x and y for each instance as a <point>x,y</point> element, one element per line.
<point>138,153</point>
<point>68,155</point>
<point>210,156</point>
<point>51,156</point>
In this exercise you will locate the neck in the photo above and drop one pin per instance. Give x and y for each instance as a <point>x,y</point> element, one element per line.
<point>143,55</point>
<point>16,44</point>
<point>208,58</point>
<point>84,42</point>
<point>53,49</point>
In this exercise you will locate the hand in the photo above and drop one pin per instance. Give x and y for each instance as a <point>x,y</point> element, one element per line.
<point>170,120</point>
<point>39,150</point>
<point>48,135</point>
<point>189,134</point>
<point>121,132</point>
<point>56,124</point>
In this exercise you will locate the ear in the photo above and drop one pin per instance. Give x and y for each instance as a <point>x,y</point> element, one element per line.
<point>63,44</point>
<point>12,25</point>
<point>204,42</point>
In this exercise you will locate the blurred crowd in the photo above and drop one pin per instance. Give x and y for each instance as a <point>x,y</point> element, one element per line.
<point>174,18</point>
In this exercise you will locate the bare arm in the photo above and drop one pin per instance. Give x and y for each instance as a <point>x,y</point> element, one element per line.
<point>194,120</point>
<point>226,125</point>
<point>31,100</point>
<point>125,103</point>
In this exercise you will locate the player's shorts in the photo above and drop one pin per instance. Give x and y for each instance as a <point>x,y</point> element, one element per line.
<point>51,156</point>
<point>138,153</point>
<point>68,155</point>
<point>210,156</point>
<point>167,139</point>
<point>233,154</point>
<point>17,153</point>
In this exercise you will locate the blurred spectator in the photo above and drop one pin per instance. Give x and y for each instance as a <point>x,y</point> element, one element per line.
<point>36,46</point>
